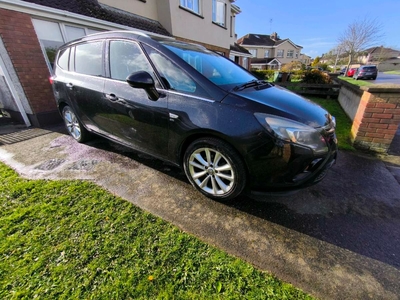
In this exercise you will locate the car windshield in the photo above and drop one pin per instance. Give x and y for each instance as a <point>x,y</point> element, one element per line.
<point>214,67</point>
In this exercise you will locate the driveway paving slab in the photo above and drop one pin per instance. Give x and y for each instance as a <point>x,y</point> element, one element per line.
<point>339,239</point>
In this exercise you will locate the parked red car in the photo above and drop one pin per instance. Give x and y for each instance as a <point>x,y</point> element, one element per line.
<point>350,72</point>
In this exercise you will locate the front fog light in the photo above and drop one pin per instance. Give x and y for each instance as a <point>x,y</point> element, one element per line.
<point>292,131</point>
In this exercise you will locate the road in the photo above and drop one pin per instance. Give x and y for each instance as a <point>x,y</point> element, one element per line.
<point>386,78</point>
<point>339,239</point>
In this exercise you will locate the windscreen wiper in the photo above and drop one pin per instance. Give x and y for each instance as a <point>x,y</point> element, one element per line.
<point>251,83</point>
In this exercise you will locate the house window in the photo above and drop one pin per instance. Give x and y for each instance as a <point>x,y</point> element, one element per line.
<point>244,63</point>
<point>266,53</point>
<point>54,34</point>
<point>74,32</point>
<point>253,52</point>
<point>280,53</point>
<point>193,5</point>
<point>231,27</point>
<point>218,12</point>
<point>297,54</point>
<point>290,54</point>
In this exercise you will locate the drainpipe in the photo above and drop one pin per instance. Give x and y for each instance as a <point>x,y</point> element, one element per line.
<point>14,93</point>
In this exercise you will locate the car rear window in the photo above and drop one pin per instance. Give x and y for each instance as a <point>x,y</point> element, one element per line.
<point>63,59</point>
<point>369,68</point>
<point>88,59</point>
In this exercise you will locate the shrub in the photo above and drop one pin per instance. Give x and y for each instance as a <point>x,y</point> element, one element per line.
<point>292,66</point>
<point>263,74</point>
<point>316,76</point>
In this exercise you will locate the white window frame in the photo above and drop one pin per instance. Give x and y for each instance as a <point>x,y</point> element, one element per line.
<point>280,53</point>
<point>253,52</point>
<point>64,36</point>
<point>290,54</point>
<point>191,5</point>
<point>216,13</point>
<point>245,63</point>
<point>266,53</point>
<point>297,54</point>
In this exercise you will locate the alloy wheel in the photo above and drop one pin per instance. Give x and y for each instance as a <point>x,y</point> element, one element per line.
<point>211,171</point>
<point>72,123</point>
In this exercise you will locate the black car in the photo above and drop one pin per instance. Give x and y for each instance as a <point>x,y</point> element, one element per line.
<point>182,103</point>
<point>366,72</point>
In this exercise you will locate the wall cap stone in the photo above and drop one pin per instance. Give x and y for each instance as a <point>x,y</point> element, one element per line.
<point>382,88</point>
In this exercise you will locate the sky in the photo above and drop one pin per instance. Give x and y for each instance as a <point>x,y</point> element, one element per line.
<point>317,25</point>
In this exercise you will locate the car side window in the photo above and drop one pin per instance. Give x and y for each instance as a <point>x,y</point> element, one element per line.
<point>174,77</point>
<point>127,58</point>
<point>88,58</point>
<point>63,59</point>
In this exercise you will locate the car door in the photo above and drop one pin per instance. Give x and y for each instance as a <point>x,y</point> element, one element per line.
<point>132,117</point>
<point>85,84</point>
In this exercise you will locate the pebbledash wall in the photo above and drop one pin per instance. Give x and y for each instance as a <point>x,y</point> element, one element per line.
<point>19,39</point>
<point>375,111</point>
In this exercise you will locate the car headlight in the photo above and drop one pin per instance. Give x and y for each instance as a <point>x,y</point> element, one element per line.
<point>292,131</point>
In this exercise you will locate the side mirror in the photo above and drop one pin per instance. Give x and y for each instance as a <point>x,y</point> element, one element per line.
<point>143,80</point>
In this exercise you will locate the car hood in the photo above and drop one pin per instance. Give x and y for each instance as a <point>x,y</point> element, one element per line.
<point>282,102</point>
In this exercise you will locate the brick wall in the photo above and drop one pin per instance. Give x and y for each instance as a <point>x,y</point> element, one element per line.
<point>21,42</point>
<point>377,118</point>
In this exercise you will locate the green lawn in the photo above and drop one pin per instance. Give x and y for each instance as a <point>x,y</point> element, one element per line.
<point>343,122</point>
<point>392,72</point>
<point>356,82</point>
<point>73,240</point>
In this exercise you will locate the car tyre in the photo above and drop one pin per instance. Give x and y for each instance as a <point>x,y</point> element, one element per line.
<point>74,126</point>
<point>215,169</point>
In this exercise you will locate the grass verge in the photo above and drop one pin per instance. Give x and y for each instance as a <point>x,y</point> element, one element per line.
<point>73,240</point>
<point>355,82</point>
<point>392,72</point>
<point>343,122</point>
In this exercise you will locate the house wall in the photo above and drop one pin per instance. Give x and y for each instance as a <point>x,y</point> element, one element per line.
<point>200,28</point>
<point>182,23</point>
<point>20,41</point>
<point>146,9</point>
<point>287,46</point>
<point>260,52</point>
<point>389,65</point>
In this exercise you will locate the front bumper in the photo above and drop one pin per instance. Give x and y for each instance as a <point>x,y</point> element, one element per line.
<point>288,167</point>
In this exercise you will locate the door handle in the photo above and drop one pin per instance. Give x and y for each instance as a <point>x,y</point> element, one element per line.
<point>111,97</point>
<point>70,86</point>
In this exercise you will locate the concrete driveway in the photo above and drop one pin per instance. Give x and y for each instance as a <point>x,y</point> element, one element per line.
<point>339,239</point>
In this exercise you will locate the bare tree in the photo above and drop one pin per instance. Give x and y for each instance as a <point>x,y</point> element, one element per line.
<point>358,36</point>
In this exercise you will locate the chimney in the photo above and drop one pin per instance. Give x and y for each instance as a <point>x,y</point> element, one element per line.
<point>274,36</point>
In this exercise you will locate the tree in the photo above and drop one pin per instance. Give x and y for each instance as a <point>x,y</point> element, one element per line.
<point>358,36</point>
<point>315,61</point>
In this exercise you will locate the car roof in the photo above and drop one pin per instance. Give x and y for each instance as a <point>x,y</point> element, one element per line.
<point>128,34</point>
